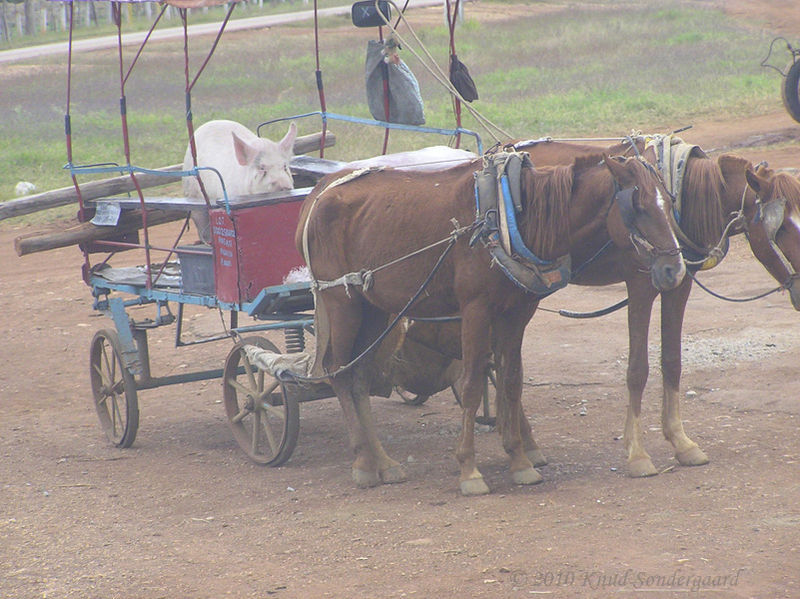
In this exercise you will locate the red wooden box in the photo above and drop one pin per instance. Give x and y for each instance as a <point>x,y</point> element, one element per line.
<point>254,246</point>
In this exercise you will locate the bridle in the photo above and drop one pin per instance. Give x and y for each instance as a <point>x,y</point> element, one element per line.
<point>624,201</point>
<point>771,215</point>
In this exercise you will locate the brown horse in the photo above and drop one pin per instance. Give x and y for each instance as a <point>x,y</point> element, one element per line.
<point>773,226</point>
<point>712,191</point>
<point>361,236</point>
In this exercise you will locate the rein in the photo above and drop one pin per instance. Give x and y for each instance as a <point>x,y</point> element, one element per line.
<point>785,285</point>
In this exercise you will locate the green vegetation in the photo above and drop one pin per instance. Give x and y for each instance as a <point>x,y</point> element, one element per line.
<point>597,69</point>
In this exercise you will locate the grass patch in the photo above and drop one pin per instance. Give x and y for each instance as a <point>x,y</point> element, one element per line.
<point>598,68</point>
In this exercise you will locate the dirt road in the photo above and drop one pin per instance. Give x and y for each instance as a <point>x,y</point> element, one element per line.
<point>184,514</point>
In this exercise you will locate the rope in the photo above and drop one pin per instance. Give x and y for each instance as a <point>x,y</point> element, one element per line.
<point>452,241</point>
<point>365,277</point>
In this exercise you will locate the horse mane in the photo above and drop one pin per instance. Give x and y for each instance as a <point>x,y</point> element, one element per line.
<point>702,212</point>
<point>788,187</point>
<point>548,191</point>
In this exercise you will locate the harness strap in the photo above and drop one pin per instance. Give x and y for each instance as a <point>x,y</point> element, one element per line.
<point>498,198</point>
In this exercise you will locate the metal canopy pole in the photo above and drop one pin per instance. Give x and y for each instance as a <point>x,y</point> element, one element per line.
<point>320,87</point>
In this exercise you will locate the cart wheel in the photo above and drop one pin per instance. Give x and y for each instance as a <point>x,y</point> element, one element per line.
<point>114,389</point>
<point>411,400</point>
<point>791,91</point>
<point>264,418</point>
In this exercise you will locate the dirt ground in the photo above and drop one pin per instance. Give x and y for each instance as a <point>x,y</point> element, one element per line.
<point>183,513</point>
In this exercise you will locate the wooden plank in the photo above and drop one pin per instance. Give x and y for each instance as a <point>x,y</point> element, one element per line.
<point>186,204</point>
<point>91,190</point>
<point>310,143</point>
<point>153,202</point>
<point>315,168</point>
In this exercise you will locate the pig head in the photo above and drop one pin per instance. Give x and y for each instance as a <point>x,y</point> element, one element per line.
<point>246,163</point>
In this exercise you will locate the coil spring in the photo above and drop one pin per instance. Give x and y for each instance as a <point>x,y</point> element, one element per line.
<point>295,340</point>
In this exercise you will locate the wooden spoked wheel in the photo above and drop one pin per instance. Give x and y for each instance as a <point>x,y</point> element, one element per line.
<point>114,389</point>
<point>264,418</point>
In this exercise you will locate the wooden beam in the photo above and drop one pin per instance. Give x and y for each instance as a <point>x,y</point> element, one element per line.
<point>89,190</point>
<point>85,232</point>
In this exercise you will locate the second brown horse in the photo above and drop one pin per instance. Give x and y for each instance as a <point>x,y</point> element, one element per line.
<point>712,191</point>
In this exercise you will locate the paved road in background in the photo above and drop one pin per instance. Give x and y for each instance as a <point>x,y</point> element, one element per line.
<point>103,43</point>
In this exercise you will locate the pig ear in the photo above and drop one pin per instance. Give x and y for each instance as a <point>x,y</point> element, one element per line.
<point>245,153</point>
<point>287,143</point>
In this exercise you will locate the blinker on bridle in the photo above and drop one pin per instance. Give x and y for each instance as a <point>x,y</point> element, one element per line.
<point>771,216</point>
<point>624,201</point>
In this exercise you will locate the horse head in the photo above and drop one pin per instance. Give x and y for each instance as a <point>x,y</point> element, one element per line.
<point>772,223</point>
<point>641,218</point>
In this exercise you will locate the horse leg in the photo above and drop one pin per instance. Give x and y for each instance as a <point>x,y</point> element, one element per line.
<point>345,318</point>
<point>640,304</point>
<point>507,335</point>
<point>529,445</point>
<point>532,449</point>
<point>476,350</point>
<point>364,469</point>
<point>389,471</point>
<point>673,306</point>
<point>373,324</point>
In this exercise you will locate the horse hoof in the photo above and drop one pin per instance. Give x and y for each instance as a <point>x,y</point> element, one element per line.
<point>536,456</point>
<point>693,456</point>
<point>364,479</point>
<point>474,486</point>
<point>641,468</point>
<point>394,474</point>
<point>529,476</point>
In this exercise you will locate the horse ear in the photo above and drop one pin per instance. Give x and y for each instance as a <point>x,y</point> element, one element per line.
<point>615,165</point>
<point>756,182</point>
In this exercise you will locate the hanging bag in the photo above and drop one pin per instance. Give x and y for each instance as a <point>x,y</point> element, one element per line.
<point>461,80</point>
<point>405,100</point>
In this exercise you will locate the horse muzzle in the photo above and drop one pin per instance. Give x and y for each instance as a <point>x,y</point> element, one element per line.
<point>667,271</point>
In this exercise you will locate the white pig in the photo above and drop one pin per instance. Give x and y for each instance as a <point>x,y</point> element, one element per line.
<point>248,164</point>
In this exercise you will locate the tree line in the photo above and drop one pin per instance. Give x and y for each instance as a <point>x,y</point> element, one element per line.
<point>19,18</point>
